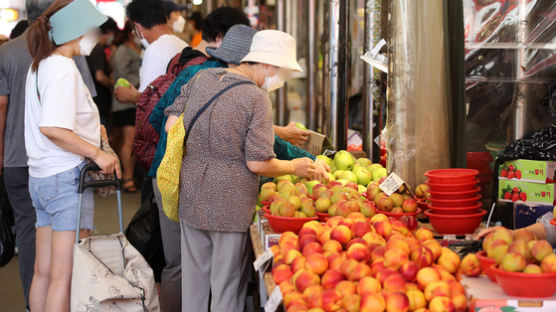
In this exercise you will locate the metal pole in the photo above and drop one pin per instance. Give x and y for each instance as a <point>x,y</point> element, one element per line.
<point>368,104</point>
<point>520,109</point>
<point>343,75</point>
<point>281,94</point>
<point>311,49</point>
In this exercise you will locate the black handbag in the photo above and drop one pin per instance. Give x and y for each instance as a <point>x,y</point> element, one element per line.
<point>7,227</point>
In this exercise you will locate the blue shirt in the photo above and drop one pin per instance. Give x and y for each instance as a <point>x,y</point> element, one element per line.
<point>158,119</point>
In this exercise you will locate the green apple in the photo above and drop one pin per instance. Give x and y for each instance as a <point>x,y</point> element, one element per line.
<point>310,185</point>
<point>379,173</point>
<point>330,177</point>
<point>122,82</point>
<point>362,189</point>
<point>338,174</point>
<point>326,159</point>
<point>300,126</point>
<point>365,162</point>
<point>343,181</point>
<point>343,160</point>
<point>349,176</point>
<point>363,176</point>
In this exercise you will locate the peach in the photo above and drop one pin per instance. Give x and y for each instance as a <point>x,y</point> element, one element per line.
<point>487,241</point>
<point>306,231</point>
<point>281,273</point>
<point>423,234</point>
<point>520,247</point>
<point>316,310</point>
<point>503,234</point>
<point>409,205</point>
<point>367,285</point>
<point>470,265</point>
<point>499,252</point>
<point>325,236</point>
<point>357,217</point>
<point>384,204</point>
<point>394,282</point>
<point>409,271</point>
<point>548,264</point>
<point>532,269</point>
<point>307,239</point>
<point>290,297</point>
<point>306,279</point>
<point>341,234</point>
<point>398,226</point>
<point>331,278</point>
<point>383,228</point>
<point>422,256</point>
<point>331,300</point>
<point>434,247</point>
<point>336,262</point>
<point>359,252</point>
<point>523,235</point>
<point>346,288</point>
<point>316,263</point>
<point>357,240</point>
<point>347,222</point>
<point>540,249</point>
<point>372,302</point>
<point>411,286</point>
<point>444,274</point>
<point>460,303</point>
<point>332,246</point>
<point>416,300</point>
<point>449,260</point>
<point>373,240</point>
<point>313,290</point>
<point>395,258</point>
<point>291,255</point>
<point>492,246</point>
<point>397,199</point>
<point>360,228</point>
<point>513,262</point>
<point>351,303</point>
<point>359,271</point>
<point>312,248</point>
<point>348,266</point>
<point>456,289</point>
<point>286,287</point>
<point>436,289</point>
<point>441,304</point>
<point>297,306</point>
<point>413,242</point>
<point>278,260</point>
<point>397,302</point>
<point>378,217</point>
<point>377,266</point>
<point>383,274</point>
<point>378,253</point>
<point>275,249</point>
<point>333,222</point>
<point>427,275</point>
<point>396,242</point>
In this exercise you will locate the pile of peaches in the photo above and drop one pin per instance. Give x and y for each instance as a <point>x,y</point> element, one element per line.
<point>360,264</point>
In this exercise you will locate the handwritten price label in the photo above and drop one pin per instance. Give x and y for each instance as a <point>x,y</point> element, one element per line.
<point>391,184</point>
<point>262,259</point>
<point>274,301</point>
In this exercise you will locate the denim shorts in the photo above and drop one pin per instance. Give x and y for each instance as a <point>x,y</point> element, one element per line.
<point>56,200</point>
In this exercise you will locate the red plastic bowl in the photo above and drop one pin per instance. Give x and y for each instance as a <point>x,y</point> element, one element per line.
<point>323,217</point>
<point>456,211</point>
<point>456,203</point>
<point>455,224</point>
<point>456,195</point>
<point>399,215</point>
<point>486,263</point>
<point>421,204</point>
<point>438,187</point>
<point>452,176</point>
<point>520,284</point>
<point>284,224</point>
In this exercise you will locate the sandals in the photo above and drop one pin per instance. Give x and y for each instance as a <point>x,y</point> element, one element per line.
<point>129,186</point>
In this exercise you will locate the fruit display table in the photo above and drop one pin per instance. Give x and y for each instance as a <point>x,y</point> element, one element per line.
<point>487,296</point>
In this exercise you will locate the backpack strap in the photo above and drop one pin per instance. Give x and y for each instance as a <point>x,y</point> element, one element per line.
<point>204,108</point>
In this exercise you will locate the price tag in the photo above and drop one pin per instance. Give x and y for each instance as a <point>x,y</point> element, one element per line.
<point>391,184</point>
<point>262,259</point>
<point>274,301</point>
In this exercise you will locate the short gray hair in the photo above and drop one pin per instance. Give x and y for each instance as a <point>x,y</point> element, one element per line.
<point>35,8</point>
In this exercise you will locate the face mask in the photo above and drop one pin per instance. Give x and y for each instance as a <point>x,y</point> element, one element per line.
<point>179,25</point>
<point>273,83</point>
<point>143,41</point>
<point>87,43</point>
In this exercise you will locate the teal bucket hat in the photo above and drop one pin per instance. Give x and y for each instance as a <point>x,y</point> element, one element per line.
<point>74,20</point>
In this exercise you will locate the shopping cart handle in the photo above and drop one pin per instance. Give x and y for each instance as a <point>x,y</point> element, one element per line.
<point>83,185</point>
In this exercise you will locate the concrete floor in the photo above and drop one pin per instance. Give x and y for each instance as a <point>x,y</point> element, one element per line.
<point>106,222</point>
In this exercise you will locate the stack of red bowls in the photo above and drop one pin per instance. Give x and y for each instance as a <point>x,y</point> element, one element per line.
<point>455,201</point>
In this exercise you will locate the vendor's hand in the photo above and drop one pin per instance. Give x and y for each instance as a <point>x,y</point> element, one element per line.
<point>103,132</point>
<point>294,135</point>
<point>303,167</point>
<point>127,94</point>
<point>485,232</point>
<point>107,163</point>
<point>322,169</point>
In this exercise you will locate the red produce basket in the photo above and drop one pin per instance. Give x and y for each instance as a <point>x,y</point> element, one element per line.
<point>399,215</point>
<point>520,284</point>
<point>455,224</point>
<point>423,205</point>
<point>452,176</point>
<point>284,224</point>
<point>439,187</point>
<point>456,195</point>
<point>457,203</point>
<point>266,210</point>
<point>456,210</point>
<point>486,263</point>
<point>323,217</point>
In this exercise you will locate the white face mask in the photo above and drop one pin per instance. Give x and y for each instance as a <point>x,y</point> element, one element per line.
<point>179,25</point>
<point>273,83</point>
<point>87,43</point>
<point>142,39</point>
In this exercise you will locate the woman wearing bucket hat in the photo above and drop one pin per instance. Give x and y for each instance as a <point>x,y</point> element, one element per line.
<point>62,128</point>
<point>228,147</point>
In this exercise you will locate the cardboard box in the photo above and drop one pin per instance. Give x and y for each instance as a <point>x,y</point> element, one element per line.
<point>528,170</point>
<point>525,215</point>
<point>526,192</point>
<point>314,143</point>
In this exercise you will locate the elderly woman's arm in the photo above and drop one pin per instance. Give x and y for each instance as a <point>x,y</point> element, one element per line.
<point>303,167</point>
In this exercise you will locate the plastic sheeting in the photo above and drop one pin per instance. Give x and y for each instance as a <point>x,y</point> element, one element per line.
<point>417,128</point>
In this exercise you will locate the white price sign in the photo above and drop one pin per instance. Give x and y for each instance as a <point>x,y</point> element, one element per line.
<point>391,184</point>
<point>274,301</point>
<point>262,259</point>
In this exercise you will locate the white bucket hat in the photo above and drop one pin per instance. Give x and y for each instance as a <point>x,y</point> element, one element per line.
<point>275,48</point>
